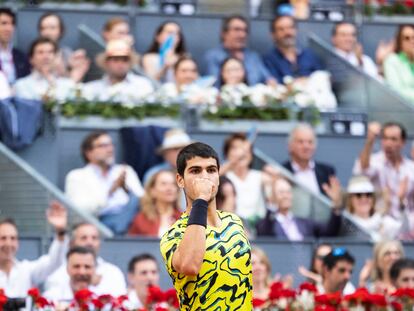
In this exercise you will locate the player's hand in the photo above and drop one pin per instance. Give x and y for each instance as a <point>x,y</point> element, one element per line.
<point>203,188</point>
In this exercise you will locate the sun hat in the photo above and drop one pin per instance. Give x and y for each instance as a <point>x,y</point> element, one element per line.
<point>360,184</point>
<point>173,139</point>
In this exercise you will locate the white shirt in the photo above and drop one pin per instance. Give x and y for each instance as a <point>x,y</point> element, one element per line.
<point>7,64</point>
<point>306,177</point>
<point>5,90</point>
<point>35,86</point>
<point>88,189</point>
<point>249,194</point>
<point>132,90</point>
<point>26,274</point>
<point>289,226</point>
<point>368,65</point>
<point>57,286</point>
<point>133,301</point>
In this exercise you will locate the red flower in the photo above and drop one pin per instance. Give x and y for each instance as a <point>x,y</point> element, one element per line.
<point>258,302</point>
<point>82,296</point>
<point>360,296</point>
<point>378,300</point>
<point>3,299</point>
<point>308,287</point>
<point>171,297</point>
<point>329,299</point>
<point>159,308</point>
<point>34,293</point>
<point>396,306</point>
<point>42,302</point>
<point>106,299</point>
<point>97,303</point>
<point>155,294</point>
<point>277,291</point>
<point>324,308</point>
<point>404,292</point>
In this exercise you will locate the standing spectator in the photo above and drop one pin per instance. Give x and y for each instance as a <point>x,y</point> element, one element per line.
<point>286,59</point>
<point>107,278</point>
<point>402,273</point>
<point>103,188</point>
<point>234,36</point>
<point>398,66</point>
<point>68,63</point>
<point>143,271</point>
<point>13,62</point>
<point>389,170</point>
<point>167,47</point>
<point>309,173</point>
<point>118,84</point>
<point>160,206</point>
<point>43,83</point>
<point>344,40</point>
<point>17,277</point>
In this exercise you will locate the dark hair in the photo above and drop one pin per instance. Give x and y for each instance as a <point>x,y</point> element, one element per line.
<point>40,41</point>
<point>226,22</point>
<point>138,258</point>
<point>399,265</point>
<point>183,59</point>
<point>180,49</point>
<point>279,17</point>
<point>8,221</point>
<point>220,195</point>
<point>221,81</point>
<point>230,139</point>
<point>336,255</point>
<point>399,125</point>
<point>339,24</point>
<point>398,39</point>
<point>80,250</point>
<point>10,13</point>
<point>195,150</point>
<point>315,253</point>
<point>81,224</point>
<point>87,143</point>
<point>46,15</point>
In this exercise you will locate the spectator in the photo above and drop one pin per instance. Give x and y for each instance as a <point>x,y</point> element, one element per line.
<point>5,90</point>
<point>118,84</point>
<point>13,62</point>
<point>107,278</point>
<point>314,274</point>
<point>17,277</point>
<point>103,188</point>
<point>286,59</point>
<point>234,36</point>
<point>361,206</point>
<point>174,140</point>
<point>43,83</point>
<point>336,272</point>
<point>226,196</point>
<point>312,175</point>
<point>167,47</point>
<point>68,63</point>
<point>262,274</point>
<point>81,266</point>
<point>378,271</point>
<point>232,72</point>
<point>143,271</point>
<point>398,65</point>
<point>160,206</point>
<point>282,224</point>
<point>402,273</point>
<point>389,170</point>
<point>344,40</point>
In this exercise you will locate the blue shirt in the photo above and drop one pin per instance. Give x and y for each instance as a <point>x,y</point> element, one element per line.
<point>255,70</point>
<point>279,66</point>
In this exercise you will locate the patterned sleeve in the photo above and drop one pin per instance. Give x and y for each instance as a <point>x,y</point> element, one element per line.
<point>169,243</point>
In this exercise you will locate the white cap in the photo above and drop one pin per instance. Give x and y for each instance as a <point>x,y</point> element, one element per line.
<point>360,184</point>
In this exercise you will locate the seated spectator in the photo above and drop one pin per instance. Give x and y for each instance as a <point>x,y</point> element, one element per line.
<point>68,63</point>
<point>118,84</point>
<point>13,62</point>
<point>167,47</point>
<point>81,266</point>
<point>398,66</point>
<point>17,277</point>
<point>376,273</point>
<point>286,59</point>
<point>310,174</point>
<point>402,273</point>
<point>234,37</point>
<point>336,272</point>
<point>108,190</point>
<point>160,206</point>
<point>143,271</point>
<point>107,278</point>
<point>361,206</point>
<point>43,83</point>
<point>174,140</point>
<point>5,90</point>
<point>389,170</point>
<point>314,274</point>
<point>282,224</point>
<point>226,195</point>
<point>344,40</point>
<point>262,274</point>
<point>232,72</point>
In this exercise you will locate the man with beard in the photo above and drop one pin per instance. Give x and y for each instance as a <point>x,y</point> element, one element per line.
<point>286,59</point>
<point>106,189</point>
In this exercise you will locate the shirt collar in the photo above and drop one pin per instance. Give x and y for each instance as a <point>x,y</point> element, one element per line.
<point>282,218</point>
<point>106,80</point>
<point>297,168</point>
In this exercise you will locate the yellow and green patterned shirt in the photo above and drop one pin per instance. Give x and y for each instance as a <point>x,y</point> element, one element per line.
<point>225,278</point>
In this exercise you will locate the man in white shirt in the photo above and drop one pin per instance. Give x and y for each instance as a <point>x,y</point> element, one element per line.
<point>17,277</point>
<point>43,83</point>
<point>118,84</point>
<point>106,189</point>
<point>107,278</point>
<point>143,271</point>
<point>344,40</point>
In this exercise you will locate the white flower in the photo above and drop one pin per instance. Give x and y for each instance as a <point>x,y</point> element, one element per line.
<point>303,100</point>
<point>306,299</point>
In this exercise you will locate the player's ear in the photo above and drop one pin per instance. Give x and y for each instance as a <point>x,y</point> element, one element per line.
<point>180,180</point>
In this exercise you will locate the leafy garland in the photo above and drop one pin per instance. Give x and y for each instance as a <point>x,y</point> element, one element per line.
<point>389,9</point>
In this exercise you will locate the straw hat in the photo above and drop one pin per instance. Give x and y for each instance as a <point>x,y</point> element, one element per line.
<point>360,184</point>
<point>174,139</point>
<point>116,48</point>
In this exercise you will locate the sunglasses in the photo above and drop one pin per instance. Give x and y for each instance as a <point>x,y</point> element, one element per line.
<point>360,195</point>
<point>118,58</point>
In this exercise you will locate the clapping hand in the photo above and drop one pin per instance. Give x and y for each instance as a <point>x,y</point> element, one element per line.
<point>334,191</point>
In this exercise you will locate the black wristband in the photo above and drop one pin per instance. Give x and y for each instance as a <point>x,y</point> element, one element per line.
<point>198,214</point>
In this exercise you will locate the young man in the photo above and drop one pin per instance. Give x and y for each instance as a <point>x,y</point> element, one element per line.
<point>206,252</point>
<point>402,273</point>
